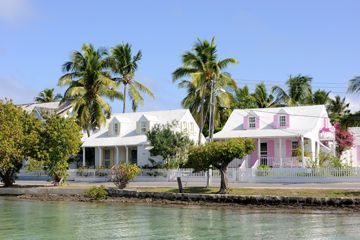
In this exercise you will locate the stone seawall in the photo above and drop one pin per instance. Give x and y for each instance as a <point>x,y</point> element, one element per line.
<point>237,199</point>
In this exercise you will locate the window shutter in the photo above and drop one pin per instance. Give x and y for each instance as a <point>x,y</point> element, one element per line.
<point>287,121</point>
<point>138,127</point>
<point>246,122</point>
<point>257,122</point>
<point>275,123</point>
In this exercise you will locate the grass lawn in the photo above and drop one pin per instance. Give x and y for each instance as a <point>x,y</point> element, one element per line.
<point>263,191</point>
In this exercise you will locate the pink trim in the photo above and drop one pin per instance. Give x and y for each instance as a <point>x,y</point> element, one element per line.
<point>246,122</point>
<point>275,123</point>
<point>271,151</point>
<point>287,121</point>
<point>288,148</point>
<point>253,155</point>
<point>257,122</point>
<point>358,153</point>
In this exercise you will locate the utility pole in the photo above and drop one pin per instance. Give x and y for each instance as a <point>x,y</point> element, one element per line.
<point>211,125</point>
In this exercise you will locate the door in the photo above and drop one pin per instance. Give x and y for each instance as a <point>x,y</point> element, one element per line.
<point>134,156</point>
<point>263,153</point>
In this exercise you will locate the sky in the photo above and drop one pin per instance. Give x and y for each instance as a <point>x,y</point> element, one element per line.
<point>271,39</point>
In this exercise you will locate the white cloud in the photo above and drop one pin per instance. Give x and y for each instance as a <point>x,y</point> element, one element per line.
<point>15,11</point>
<point>14,89</point>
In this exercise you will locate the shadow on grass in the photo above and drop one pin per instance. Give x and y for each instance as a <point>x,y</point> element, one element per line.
<point>351,194</point>
<point>194,190</point>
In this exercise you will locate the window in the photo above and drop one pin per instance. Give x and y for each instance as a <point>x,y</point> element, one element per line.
<point>143,127</point>
<point>252,122</point>
<point>294,148</point>
<point>116,128</point>
<point>282,120</point>
<point>107,157</point>
<point>192,127</point>
<point>184,127</point>
<point>263,153</point>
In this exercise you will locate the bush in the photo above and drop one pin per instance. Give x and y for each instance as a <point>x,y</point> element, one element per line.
<point>97,193</point>
<point>122,174</point>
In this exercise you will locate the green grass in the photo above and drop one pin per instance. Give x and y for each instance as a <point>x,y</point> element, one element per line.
<point>262,191</point>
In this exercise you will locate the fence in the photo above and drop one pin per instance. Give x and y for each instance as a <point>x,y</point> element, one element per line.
<point>240,174</point>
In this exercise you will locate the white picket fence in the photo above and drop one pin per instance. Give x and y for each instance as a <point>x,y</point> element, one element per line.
<point>240,174</point>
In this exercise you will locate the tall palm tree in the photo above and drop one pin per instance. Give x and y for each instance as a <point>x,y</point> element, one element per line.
<point>243,98</point>
<point>89,82</point>
<point>338,108</point>
<point>320,97</point>
<point>298,91</point>
<point>354,85</point>
<point>47,95</point>
<point>262,98</point>
<point>201,66</point>
<point>124,64</point>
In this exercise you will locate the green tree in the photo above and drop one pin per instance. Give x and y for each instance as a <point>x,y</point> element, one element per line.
<point>124,65</point>
<point>351,120</point>
<point>354,85</point>
<point>219,155</point>
<point>18,139</point>
<point>243,98</point>
<point>60,138</point>
<point>298,91</point>
<point>170,144</point>
<point>262,98</point>
<point>201,66</point>
<point>320,97</point>
<point>89,83</point>
<point>48,95</point>
<point>338,108</point>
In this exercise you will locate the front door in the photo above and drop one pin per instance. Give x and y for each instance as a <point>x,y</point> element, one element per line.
<point>263,154</point>
<point>134,156</point>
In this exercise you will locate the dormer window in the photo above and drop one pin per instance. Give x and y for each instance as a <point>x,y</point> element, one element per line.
<point>282,121</point>
<point>252,122</point>
<point>116,128</point>
<point>143,127</point>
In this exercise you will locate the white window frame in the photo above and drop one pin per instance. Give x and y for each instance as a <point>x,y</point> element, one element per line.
<point>252,122</point>
<point>282,121</point>
<point>143,126</point>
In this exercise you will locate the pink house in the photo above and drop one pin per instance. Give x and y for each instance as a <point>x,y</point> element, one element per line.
<point>284,137</point>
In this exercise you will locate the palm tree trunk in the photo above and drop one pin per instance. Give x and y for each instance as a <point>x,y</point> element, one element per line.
<point>224,180</point>
<point>201,115</point>
<point>124,101</point>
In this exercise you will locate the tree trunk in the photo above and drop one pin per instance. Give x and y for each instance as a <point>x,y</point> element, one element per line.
<point>224,180</point>
<point>124,101</point>
<point>8,178</point>
<point>58,180</point>
<point>201,116</point>
<point>88,132</point>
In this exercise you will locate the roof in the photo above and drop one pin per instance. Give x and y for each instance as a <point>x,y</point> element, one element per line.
<point>56,107</point>
<point>303,120</point>
<point>130,137</point>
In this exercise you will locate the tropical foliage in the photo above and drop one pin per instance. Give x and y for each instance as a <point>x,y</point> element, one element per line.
<point>48,95</point>
<point>124,65</point>
<point>344,139</point>
<point>123,173</point>
<point>18,140</point>
<point>354,85</point>
<point>170,144</point>
<point>338,109</point>
<point>88,84</point>
<point>201,66</point>
<point>218,155</point>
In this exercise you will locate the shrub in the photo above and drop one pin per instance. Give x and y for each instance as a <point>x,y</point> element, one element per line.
<point>122,174</point>
<point>97,193</point>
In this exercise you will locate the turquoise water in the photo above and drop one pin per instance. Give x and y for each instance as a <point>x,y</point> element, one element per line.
<point>25,219</point>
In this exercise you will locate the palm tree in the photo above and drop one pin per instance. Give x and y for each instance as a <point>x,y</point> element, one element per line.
<point>47,95</point>
<point>320,97</point>
<point>201,66</point>
<point>338,108</point>
<point>243,98</point>
<point>262,98</point>
<point>298,91</point>
<point>88,83</point>
<point>354,85</point>
<point>124,64</point>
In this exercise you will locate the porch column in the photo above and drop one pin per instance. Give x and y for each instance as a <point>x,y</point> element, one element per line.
<point>302,151</point>
<point>334,148</point>
<point>258,150</point>
<point>313,150</point>
<point>126,155</point>
<point>100,156</point>
<point>84,161</point>
<point>317,150</point>
<point>280,152</point>
<point>116,155</point>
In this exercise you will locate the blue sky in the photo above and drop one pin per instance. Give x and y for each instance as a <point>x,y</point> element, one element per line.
<point>271,40</point>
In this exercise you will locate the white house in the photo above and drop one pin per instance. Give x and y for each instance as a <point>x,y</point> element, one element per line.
<point>352,156</point>
<point>38,109</point>
<point>123,138</point>
<point>279,133</point>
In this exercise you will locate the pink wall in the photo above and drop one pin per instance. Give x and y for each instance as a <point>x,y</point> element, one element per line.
<point>254,155</point>
<point>246,123</point>
<point>358,153</point>
<point>288,148</point>
<point>271,151</point>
